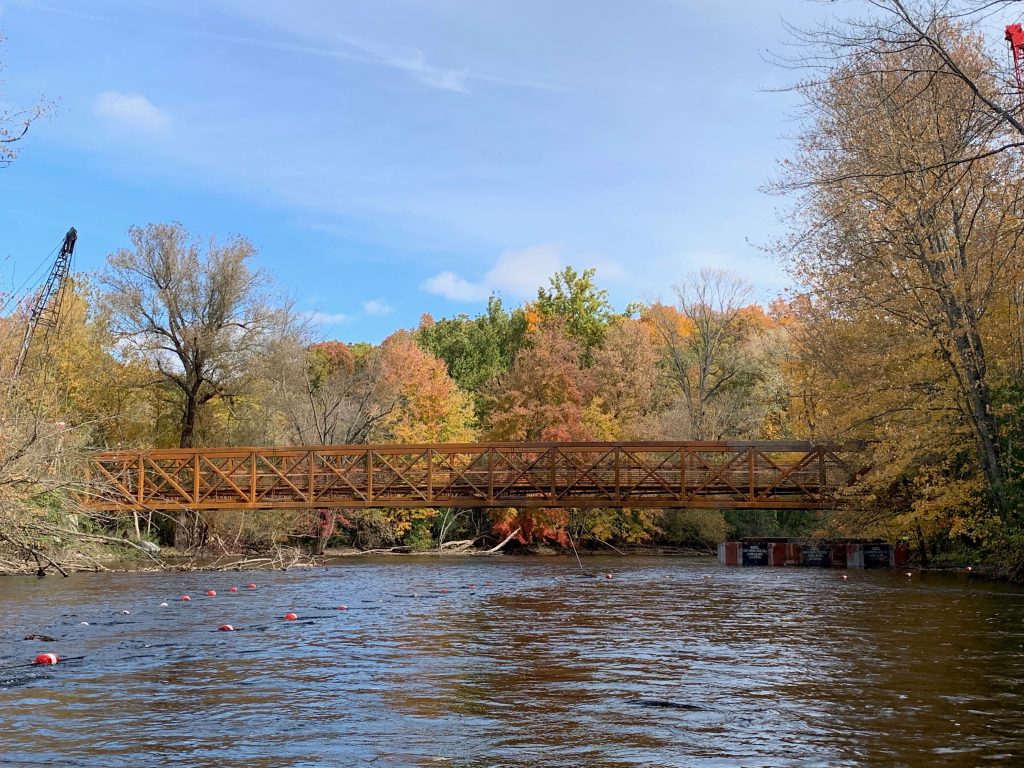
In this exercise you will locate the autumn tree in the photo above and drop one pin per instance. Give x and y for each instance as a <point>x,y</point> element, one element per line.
<point>547,394</point>
<point>917,262</point>
<point>625,376</point>
<point>429,407</point>
<point>931,34</point>
<point>703,340</point>
<point>200,318</point>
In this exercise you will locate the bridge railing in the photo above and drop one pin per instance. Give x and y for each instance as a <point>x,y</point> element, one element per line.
<point>753,474</point>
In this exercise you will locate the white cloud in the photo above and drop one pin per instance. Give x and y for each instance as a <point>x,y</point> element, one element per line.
<point>521,273</point>
<point>377,308</point>
<point>516,273</point>
<point>453,287</point>
<point>131,110</point>
<point>326,318</point>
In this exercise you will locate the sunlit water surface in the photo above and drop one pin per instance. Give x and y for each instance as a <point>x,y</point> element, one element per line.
<point>672,662</point>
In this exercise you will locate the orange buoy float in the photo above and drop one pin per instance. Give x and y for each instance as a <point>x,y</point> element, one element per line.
<point>225,628</point>
<point>443,591</point>
<point>341,608</point>
<point>44,659</point>
<point>250,586</point>
<point>290,617</point>
<point>184,598</point>
<point>211,593</point>
<point>232,589</point>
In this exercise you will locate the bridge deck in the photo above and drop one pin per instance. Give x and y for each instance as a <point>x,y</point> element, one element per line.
<point>753,474</point>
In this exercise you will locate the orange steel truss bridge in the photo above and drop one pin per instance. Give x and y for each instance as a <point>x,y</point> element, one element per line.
<point>729,474</point>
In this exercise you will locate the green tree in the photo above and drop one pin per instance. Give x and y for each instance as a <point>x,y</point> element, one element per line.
<point>476,350</point>
<point>583,307</point>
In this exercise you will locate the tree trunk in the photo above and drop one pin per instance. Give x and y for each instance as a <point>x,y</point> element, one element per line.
<point>325,529</point>
<point>188,422</point>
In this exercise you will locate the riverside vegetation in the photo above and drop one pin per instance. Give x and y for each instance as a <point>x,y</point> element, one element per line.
<point>903,344</point>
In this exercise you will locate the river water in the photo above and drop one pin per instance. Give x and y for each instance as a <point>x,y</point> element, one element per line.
<point>671,662</point>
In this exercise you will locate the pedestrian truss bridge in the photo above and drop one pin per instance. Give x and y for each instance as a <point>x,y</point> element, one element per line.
<point>725,474</point>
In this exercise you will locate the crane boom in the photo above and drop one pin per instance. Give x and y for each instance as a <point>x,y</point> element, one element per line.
<point>46,310</point>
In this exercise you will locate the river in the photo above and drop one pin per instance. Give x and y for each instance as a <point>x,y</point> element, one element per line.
<point>670,662</point>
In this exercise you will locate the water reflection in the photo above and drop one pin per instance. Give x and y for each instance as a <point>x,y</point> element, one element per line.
<point>672,662</point>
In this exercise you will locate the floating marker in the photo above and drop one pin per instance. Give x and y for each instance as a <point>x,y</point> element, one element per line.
<point>125,613</point>
<point>184,598</point>
<point>845,577</point>
<point>443,591</point>
<point>471,586</point>
<point>969,568</point>
<point>225,628</point>
<point>290,617</point>
<point>250,586</point>
<point>83,623</point>
<point>908,574</point>
<point>607,575</point>
<point>163,605</point>
<point>211,593</point>
<point>232,589</point>
<point>44,659</point>
<point>341,608</point>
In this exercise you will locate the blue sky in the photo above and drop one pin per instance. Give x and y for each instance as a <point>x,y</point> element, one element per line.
<point>395,157</point>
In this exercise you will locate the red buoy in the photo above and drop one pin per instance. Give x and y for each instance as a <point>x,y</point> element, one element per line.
<point>232,589</point>
<point>471,586</point>
<point>184,598</point>
<point>225,628</point>
<point>607,575</point>
<point>443,591</point>
<point>211,593</point>
<point>250,586</point>
<point>341,608</point>
<point>290,617</point>
<point>46,659</point>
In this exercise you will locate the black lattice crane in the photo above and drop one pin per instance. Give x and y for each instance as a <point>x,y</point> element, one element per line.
<point>46,310</point>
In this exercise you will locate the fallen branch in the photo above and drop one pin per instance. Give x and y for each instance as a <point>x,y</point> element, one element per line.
<point>508,538</point>
<point>461,544</point>
<point>90,537</point>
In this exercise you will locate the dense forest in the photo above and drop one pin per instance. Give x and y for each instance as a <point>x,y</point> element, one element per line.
<point>902,344</point>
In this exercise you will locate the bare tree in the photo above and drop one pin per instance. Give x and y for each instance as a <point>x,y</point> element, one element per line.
<point>920,40</point>
<point>14,125</point>
<point>701,338</point>
<point>200,320</point>
<point>327,395</point>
